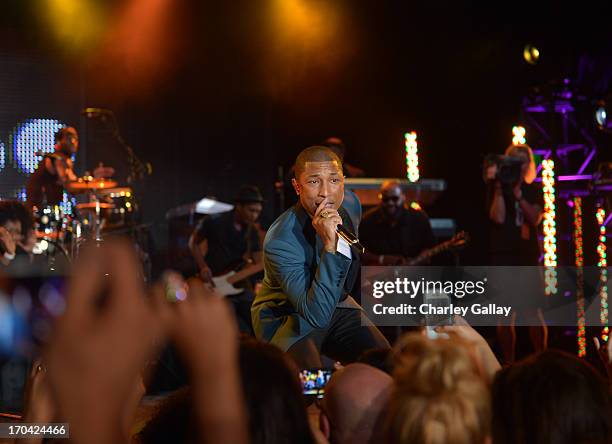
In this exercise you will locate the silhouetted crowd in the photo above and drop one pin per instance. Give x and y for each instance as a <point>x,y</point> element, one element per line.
<point>94,371</point>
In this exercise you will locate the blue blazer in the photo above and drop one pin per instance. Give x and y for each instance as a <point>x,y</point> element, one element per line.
<point>302,282</point>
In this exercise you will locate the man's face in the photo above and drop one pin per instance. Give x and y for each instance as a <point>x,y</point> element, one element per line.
<point>69,143</point>
<point>391,199</point>
<point>249,212</point>
<point>14,229</point>
<point>320,181</point>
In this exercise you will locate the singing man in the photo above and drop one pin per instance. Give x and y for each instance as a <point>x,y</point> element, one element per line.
<point>304,306</point>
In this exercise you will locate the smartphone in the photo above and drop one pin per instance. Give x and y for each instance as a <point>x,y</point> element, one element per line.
<point>314,381</point>
<point>438,313</point>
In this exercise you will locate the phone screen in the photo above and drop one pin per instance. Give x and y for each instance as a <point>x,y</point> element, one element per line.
<point>438,312</point>
<point>314,381</point>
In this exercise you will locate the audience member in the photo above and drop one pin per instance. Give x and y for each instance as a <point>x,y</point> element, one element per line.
<point>110,330</point>
<point>272,391</point>
<point>551,397</point>
<point>380,358</point>
<point>273,394</point>
<point>10,232</point>
<point>91,376</point>
<point>441,395</point>
<point>354,404</point>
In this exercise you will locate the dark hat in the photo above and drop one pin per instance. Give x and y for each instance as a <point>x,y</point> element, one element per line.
<point>249,194</point>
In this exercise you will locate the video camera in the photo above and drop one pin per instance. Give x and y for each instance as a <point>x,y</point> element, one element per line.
<point>508,168</point>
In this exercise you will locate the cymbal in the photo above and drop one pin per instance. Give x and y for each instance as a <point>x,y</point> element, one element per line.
<point>91,206</point>
<point>89,183</point>
<point>116,192</point>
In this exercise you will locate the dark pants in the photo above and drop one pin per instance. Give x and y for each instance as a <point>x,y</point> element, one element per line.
<point>347,336</point>
<point>242,309</point>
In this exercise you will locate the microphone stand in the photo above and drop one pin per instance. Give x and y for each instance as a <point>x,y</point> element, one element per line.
<point>138,168</point>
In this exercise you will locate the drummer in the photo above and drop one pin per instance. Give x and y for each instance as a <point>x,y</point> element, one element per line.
<point>55,172</point>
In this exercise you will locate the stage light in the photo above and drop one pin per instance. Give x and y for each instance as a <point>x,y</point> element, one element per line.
<point>412,156</point>
<point>20,194</point>
<point>2,156</point>
<point>518,135</point>
<point>67,203</point>
<point>77,25</point>
<point>31,137</point>
<point>305,22</point>
<point>579,262</point>
<point>549,226</point>
<point>601,116</point>
<point>140,46</point>
<point>602,263</point>
<point>531,54</point>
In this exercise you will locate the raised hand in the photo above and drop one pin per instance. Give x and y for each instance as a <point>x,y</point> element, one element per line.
<point>325,221</point>
<point>204,331</point>
<point>101,343</point>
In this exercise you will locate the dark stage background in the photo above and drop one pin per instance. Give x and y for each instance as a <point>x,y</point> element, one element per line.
<point>218,94</point>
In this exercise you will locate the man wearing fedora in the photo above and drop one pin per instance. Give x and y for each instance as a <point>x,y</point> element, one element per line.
<point>227,242</point>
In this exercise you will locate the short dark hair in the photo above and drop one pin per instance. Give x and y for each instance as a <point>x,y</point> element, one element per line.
<point>60,133</point>
<point>8,212</point>
<point>249,194</point>
<point>23,214</point>
<point>572,403</point>
<point>315,153</point>
<point>273,394</point>
<point>173,421</point>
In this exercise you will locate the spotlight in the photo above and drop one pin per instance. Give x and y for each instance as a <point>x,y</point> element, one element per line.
<point>601,116</point>
<point>518,135</point>
<point>531,54</point>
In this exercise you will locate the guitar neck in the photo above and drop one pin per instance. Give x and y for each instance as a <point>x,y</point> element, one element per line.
<point>432,252</point>
<point>425,255</point>
<point>246,272</point>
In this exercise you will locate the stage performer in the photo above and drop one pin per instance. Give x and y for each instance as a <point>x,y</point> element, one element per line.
<point>55,172</point>
<point>304,306</point>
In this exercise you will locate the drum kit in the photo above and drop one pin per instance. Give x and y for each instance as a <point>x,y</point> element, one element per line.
<point>107,208</point>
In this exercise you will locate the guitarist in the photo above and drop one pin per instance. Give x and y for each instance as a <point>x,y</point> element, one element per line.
<point>392,233</point>
<point>231,241</point>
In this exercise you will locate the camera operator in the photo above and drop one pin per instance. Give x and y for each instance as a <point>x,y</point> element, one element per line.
<point>514,205</point>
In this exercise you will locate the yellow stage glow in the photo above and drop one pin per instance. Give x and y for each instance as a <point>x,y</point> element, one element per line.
<point>77,25</point>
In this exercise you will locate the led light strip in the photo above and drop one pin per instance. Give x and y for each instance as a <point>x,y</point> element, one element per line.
<point>579,262</point>
<point>412,156</point>
<point>603,273</point>
<point>549,226</point>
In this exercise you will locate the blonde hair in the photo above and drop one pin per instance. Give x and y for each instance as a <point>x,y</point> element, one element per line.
<point>440,395</point>
<point>525,149</point>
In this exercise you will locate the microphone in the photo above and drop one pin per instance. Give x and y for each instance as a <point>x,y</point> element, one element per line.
<point>349,237</point>
<point>51,154</point>
<point>96,112</point>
